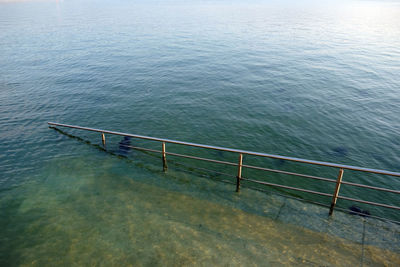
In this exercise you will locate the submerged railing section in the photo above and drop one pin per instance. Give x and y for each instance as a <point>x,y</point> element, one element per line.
<point>334,196</point>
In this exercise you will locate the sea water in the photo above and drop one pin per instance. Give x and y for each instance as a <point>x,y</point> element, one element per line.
<point>311,79</point>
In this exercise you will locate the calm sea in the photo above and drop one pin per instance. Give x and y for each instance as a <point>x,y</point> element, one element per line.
<point>312,79</point>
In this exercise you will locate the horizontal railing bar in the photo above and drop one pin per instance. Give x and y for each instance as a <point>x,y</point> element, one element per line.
<point>266,169</point>
<point>287,196</point>
<point>273,170</point>
<point>230,163</point>
<point>290,173</point>
<point>142,148</point>
<point>201,175</point>
<point>369,202</point>
<point>181,155</point>
<point>186,156</point>
<point>372,187</point>
<point>323,205</point>
<point>203,159</point>
<point>314,162</point>
<point>208,170</point>
<point>287,187</point>
<point>233,164</point>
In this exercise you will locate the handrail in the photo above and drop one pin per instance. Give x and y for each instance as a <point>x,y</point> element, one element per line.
<point>315,162</point>
<point>338,182</point>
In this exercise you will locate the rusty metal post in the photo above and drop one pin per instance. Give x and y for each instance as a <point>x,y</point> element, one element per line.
<point>103,139</point>
<point>164,157</point>
<point>239,174</point>
<point>335,195</point>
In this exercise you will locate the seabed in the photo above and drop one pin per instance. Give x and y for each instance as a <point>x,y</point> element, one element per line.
<point>120,214</point>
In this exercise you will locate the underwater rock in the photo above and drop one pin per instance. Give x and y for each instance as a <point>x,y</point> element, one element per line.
<point>280,162</point>
<point>354,210</point>
<point>123,146</point>
<point>340,151</point>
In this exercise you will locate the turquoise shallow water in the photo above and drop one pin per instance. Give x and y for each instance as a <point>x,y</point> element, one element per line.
<point>318,80</point>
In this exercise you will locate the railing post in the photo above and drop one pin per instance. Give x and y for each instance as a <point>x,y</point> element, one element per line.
<point>164,157</point>
<point>103,139</point>
<point>335,195</point>
<point>239,174</point>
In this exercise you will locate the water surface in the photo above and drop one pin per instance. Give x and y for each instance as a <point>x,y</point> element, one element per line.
<point>311,79</point>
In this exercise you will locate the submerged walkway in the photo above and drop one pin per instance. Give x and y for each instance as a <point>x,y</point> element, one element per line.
<point>100,210</point>
<point>201,232</point>
<point>292,233</point>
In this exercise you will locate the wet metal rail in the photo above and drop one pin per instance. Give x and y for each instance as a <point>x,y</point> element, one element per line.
<point>239,164</point>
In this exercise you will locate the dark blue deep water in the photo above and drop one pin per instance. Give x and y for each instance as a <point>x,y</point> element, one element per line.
<point>312,79</point>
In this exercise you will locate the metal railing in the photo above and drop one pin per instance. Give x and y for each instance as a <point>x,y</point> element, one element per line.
<point>239,164</point>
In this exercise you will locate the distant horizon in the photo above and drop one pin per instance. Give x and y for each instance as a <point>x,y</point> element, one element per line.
<point>16,1</point>
<point>205,1</point>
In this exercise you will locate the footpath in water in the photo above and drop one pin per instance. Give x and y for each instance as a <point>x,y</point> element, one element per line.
<point>102,211</point>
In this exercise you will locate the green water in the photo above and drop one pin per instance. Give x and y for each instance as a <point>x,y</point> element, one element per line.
<point>317,80</point>
<point>84,216</point>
